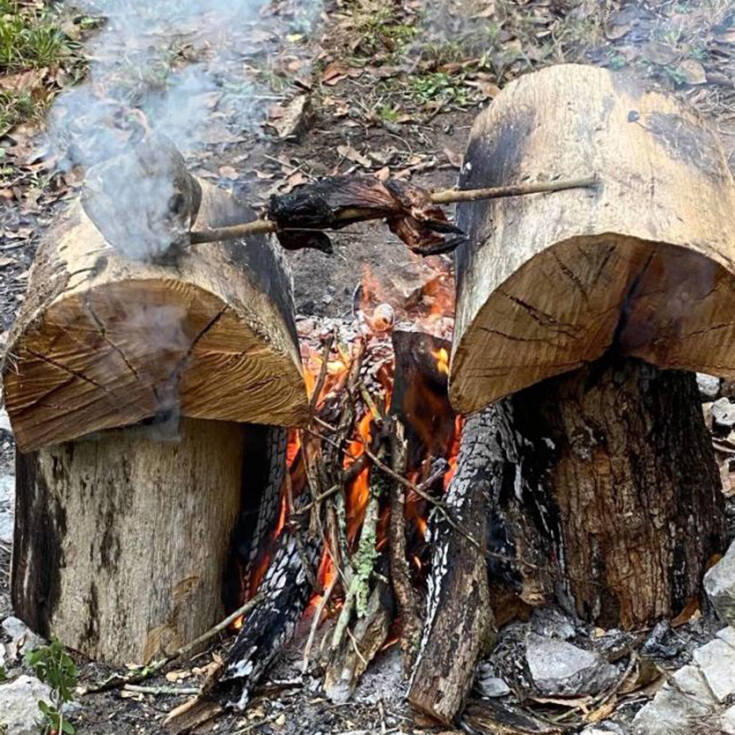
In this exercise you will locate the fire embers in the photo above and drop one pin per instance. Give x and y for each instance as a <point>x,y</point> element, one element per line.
<point>144,202</point>
<point>338,201</point>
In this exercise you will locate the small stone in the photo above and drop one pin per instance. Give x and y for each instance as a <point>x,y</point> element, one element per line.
<point>717,661</point>
<point>492,687</point>
<point>603,728</point>
<point>7,502</point>
<point>550,622</point>
<point>723,416</point>
<point>22,637</point>
<point>5,422</point>
<point>559,668</point>
<point>676,710</point>
<point>719,584</point>
<point>19,711</point>
<point>709,387</point>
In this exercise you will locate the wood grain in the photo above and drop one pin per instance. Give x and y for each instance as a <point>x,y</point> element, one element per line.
<point>647,259</point>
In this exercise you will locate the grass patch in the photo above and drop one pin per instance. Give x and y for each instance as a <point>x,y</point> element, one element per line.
<point>31,39</point>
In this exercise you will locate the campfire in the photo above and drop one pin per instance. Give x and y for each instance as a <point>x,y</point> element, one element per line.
<point>438,463</point>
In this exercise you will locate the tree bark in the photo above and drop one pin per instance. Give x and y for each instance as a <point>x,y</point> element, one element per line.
<point>606,493</point>
<point>121,542</point>
<point>459,622</point>
<point>543,280</point>
<point>105,340</point>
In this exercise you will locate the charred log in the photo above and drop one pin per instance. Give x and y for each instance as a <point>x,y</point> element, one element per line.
<point>458,623</point>
<point>606,493</point>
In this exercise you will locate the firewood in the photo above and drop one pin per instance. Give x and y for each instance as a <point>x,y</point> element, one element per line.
<point>122,540</point>
<point>609,473</point>
<point>105,340</point>
<point>458,623</point>
<point>645,260</point>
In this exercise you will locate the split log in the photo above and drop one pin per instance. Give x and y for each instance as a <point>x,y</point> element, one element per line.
<point>121,542</point>
<point>104,340</point>
<point>123,534</point>
<point>543,280</point>
<point>458,624</point>
<point>609,486</point>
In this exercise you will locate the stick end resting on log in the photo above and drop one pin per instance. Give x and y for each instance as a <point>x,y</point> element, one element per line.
<point>106,341</point>
<point>547,283</point>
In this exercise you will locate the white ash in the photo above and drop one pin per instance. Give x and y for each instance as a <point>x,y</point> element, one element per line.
<point>7,506</point>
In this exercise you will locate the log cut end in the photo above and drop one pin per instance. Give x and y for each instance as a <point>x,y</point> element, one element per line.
<point>104,341</point>
<point>646,261</point>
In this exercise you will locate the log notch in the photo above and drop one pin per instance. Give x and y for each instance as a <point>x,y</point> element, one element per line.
<point>609,480</point>
<point>104,340</point>
<point>123,534</point>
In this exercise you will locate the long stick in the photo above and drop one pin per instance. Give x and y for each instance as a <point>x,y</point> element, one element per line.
<point>447,196</point>
<point>137,675</point>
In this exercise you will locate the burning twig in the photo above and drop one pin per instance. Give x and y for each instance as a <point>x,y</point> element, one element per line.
<point>412,213</point>
<point>400,572</point>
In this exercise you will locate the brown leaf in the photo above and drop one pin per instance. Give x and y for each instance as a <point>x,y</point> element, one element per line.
<point>453,157</point>
<point>227,172</point>
<point>692,72</point>
<point>351,154</point>
<point>659,53</point>
<point>289,119</point>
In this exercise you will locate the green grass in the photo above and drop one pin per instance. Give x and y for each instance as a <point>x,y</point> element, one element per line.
<point>30,38</point>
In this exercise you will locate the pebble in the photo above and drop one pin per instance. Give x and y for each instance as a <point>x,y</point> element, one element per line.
<point>709,386</point>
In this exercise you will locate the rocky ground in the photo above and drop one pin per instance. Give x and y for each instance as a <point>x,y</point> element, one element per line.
<point>285,92</point>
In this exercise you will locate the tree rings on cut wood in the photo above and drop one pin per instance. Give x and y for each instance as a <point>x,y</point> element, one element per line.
<point>104,340</point>
<point>547,283</point>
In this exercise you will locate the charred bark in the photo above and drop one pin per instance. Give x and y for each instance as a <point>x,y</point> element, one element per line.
<point>606,492</point>
<point>459,621</point>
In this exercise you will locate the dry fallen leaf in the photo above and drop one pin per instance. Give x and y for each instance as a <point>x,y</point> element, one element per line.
<point>692,72</point>
<point>288,120</point>
<point>453,157</point>
<point>228,172</point>
<point>351,154</point>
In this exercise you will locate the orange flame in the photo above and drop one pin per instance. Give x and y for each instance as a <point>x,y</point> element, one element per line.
<point>442,360</point>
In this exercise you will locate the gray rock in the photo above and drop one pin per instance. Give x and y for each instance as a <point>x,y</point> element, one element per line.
<point>559,668</point>
<point>5,422</point>
<point>719,584</point>
<point>727,635</point>
<point>678,710</point>
<point>491,687</point>
<point>716,659</point>
<point>550,622</point>
<point>727,721</point>
<point>709,386</point>
<point>22,638</point>
<point>19,699</point>
<point>723,415</point>
<point>7,502</point>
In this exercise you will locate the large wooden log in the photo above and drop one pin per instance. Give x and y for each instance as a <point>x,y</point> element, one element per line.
<point>544,280</point>
<point>121,541</point>
<point>607,493</point>
<point>106,340</point>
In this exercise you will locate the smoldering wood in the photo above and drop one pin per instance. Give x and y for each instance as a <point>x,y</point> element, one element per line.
<point>103,340</point>
<point>86,510</point>
<point>458,622</point>
<point>605,493</point>
<point>542,281</point>
<point>262,484</point>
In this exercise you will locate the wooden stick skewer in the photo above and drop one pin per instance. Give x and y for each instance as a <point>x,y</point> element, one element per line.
<point>446,196</point>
